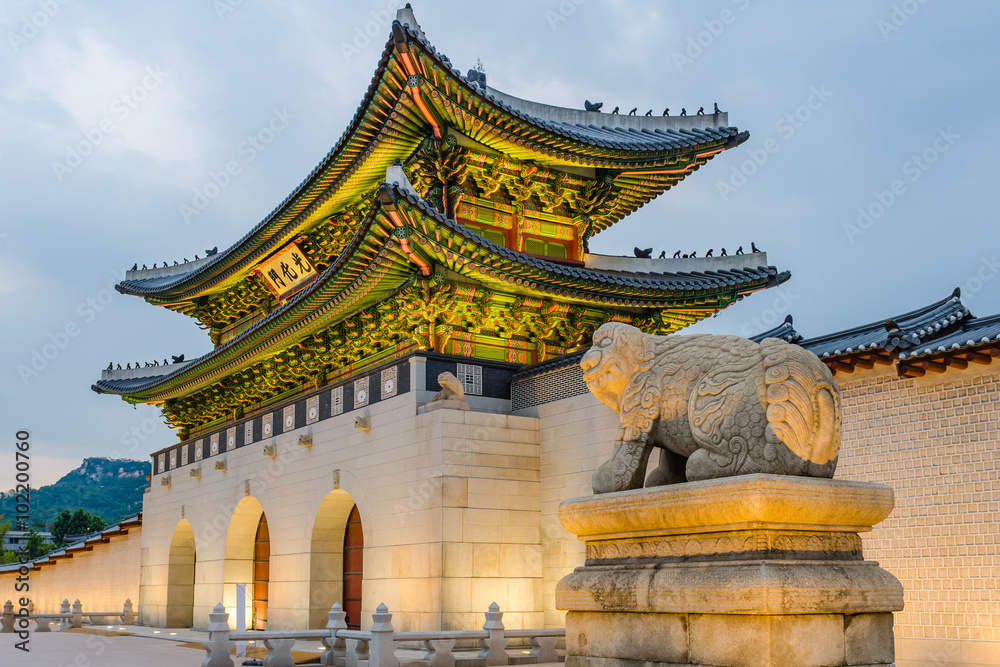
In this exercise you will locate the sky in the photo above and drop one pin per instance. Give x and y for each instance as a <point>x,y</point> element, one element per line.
<point>870,172</point>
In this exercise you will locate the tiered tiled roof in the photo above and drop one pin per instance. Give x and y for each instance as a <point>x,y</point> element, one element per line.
<point>396,271</point>
<point>415,94</point>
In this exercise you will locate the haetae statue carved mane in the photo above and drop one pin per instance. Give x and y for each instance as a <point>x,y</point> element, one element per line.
<point>717,406</point>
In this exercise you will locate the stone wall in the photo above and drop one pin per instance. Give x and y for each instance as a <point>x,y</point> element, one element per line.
<point>935,441</point>
<point>449,504</point>
<point>102,578</point>
<point>459,510</point>
<point>576,434</point>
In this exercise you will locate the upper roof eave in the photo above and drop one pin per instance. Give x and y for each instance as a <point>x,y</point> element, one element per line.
<point>265,236</point>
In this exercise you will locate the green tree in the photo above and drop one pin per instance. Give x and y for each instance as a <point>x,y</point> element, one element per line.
<point>75,523</point>
<point>4,554</point>
<point>37,546</point>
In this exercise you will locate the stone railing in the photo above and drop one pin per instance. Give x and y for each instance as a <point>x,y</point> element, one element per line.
<point>377,647</point>
<point>68,616</point>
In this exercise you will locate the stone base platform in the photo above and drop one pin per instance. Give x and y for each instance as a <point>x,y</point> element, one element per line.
<point>750,571</point>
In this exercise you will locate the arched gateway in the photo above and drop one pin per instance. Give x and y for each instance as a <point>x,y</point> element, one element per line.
<point>248,555</point>
<point>180,577</point>
<point>337,556</point>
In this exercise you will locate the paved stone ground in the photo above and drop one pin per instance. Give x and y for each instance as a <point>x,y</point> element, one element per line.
<point>65,649</point>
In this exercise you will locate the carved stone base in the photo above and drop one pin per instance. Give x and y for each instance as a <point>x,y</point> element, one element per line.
<point>757,570</point>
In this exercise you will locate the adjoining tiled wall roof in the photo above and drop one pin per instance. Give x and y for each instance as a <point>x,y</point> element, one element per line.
<point>83,543</point>
<point>941,335</point>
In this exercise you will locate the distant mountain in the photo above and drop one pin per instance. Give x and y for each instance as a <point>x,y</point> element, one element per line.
<point>110,488</point>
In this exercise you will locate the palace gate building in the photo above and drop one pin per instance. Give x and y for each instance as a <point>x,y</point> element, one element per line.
<point>447,230</point>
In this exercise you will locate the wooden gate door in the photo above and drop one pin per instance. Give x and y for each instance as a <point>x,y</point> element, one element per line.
<point>261,574</point>
<point>354,546</point>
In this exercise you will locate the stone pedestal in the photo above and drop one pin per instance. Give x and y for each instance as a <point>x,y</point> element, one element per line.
<point>749,571</point>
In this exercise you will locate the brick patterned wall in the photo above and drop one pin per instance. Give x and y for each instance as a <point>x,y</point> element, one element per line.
<point>937,446</point>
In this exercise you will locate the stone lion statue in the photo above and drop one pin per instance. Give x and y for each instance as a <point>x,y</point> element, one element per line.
<point>717,406</point>
<point>452,388</point>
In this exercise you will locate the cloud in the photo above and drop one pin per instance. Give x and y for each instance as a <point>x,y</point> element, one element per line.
<point>85,90</point>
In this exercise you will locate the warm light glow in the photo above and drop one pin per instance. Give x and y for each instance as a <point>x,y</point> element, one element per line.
<point>173,633</point>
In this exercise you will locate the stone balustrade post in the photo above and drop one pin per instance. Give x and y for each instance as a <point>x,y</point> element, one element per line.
<point>64,623</point>
<point>383,646</point>
<point>7,619</point>
<point>495,646</point>
<point>77,615</point>
<point>440,652</point>
<point>279,653</point>
<point>128,614</point>
<point>42,624</point>
<point>543,649</point>
<point>335,651</point>
<point>357,653</point>
<point>218,645</point>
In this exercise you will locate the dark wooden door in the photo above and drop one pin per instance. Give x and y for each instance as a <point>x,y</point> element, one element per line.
<point>354,546</point>
<point>261,573</point>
